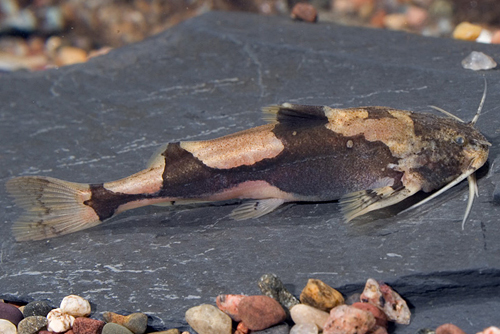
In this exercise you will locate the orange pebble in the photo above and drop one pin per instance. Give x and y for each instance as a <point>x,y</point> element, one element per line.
<point>467,31</point>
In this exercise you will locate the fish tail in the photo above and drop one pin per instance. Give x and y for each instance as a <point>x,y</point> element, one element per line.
<point>53,207</point>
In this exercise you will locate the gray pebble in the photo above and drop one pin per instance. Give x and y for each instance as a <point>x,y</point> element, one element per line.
<point>37,308</point>
<point>31,325</point>
<point>112,328</point>
<point>271,286</point>
<point>282,328</point>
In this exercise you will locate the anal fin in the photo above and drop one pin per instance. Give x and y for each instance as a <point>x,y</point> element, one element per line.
<point>256,208</point>
<point>361,202</point>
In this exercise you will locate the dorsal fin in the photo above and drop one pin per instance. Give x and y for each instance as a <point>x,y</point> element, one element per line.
<point>293,113</point>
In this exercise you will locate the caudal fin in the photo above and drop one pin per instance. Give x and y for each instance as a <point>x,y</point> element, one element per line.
<point>53,207</point>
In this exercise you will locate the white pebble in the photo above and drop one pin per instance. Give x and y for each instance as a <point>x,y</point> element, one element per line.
<point>304,329</point>
<point>59,321</point>
<point>7,327</point>
<point>485,37</point>
<point>490,330</point>
<point>305,314</point>
<point>477,61</point>
<point>75,306</point>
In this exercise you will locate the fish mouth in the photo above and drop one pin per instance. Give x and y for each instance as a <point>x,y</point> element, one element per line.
<point>478,159</point>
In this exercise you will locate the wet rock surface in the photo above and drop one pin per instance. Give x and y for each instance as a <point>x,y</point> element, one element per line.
<point>208,77</point>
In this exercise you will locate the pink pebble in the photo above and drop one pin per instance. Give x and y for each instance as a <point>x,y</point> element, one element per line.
<point>260,312</point>
<point>346,319</point>
<point>449,329</point>
<point>495,39</point>
<point>229,305</point>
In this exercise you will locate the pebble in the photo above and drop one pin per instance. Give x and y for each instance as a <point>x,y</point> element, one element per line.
<point>37,308</point>
<point>7,327</point>
<point>416,16</point>
<point>321,296</point>
<point>346,319</point>
<point>379,315</point>
<point>87,326</point>
<point>229,305</point>
<point>10,313</point>
<point>467,31</point>
<point>271,286</point>
<point>32,324</point>
<point>241,328</point>
<point>477,61</point>
<point>395,21</point>
<point>449,329</point>
<point>170,331</point>
<point>75,306</point>
<point>59,322</point>
<point>208,319</point>
<point>305,314</point>
<point>490,330</point>
<point>112,328</point>
<point>260,312</point>
<point>495,38</point>
<point>282,328</point>
<point>378,330</point>
<point>69,55</point>
<point>425,331</point>
<point>485,37</point>
<point>136,322</point>
<point>382,296</point>
<point>304,12</point>
<point>306,328</point>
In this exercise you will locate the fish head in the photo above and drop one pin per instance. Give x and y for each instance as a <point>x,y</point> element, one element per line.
<point>475,148</point>
<point>448,149</point>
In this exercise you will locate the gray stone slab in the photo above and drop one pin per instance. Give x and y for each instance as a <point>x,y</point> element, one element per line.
<point>209,77</point>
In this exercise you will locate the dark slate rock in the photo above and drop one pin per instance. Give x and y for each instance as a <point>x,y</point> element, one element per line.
<point>209,77</point>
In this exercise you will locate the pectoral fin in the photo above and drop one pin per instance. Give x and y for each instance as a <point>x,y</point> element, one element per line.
<point>360,202</point>
<point>255,209</point>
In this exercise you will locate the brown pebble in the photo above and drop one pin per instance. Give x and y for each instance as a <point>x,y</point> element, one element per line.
<point>449,329</point>
<point>320,295</point>
<point>304,12</point>
<point>87,326</point>
<point>260,312</point>
<point>379,315</point>
<point>377,19</point>
<point>467,31</point>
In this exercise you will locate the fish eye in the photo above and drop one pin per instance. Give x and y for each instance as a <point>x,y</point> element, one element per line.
<point>459,140</point>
